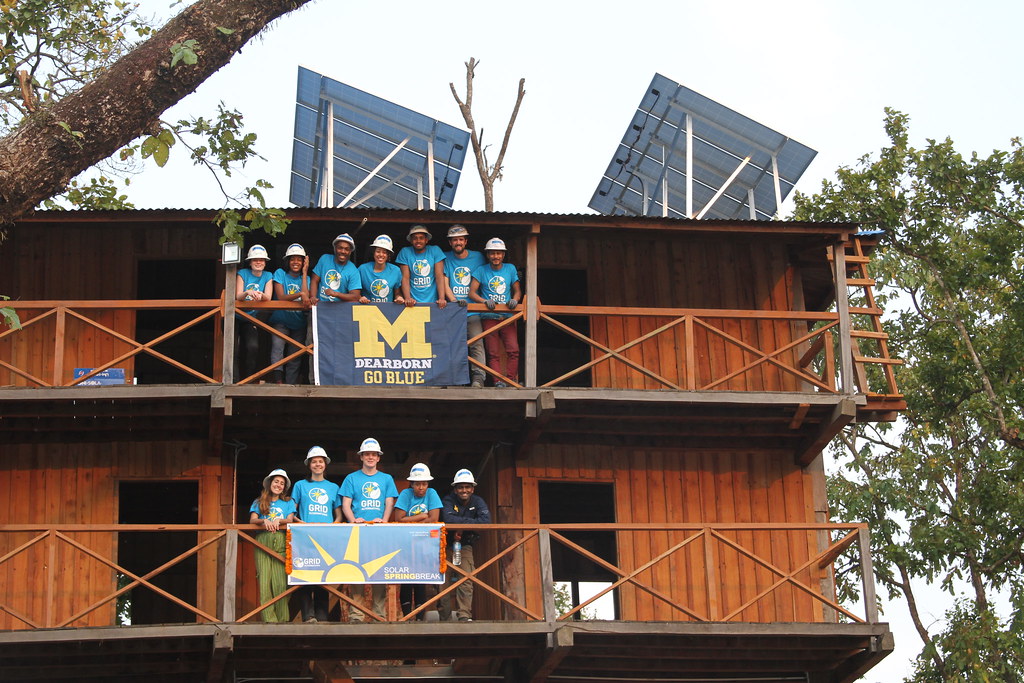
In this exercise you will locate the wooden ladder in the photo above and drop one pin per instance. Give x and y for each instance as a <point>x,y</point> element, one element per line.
<point>857,276</point>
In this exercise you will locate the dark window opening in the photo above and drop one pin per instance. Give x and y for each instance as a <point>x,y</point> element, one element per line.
<point>558,352</point>
<point>582,503</point>
<point>193,348</point>
<point>140,552</point>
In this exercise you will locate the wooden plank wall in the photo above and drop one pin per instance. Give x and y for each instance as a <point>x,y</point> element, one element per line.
<point>682,271</point>
<point>692,486</point>
<point>78,484</point>
<point>85,261</point>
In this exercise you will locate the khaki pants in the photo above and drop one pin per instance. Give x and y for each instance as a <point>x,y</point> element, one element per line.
<point>463,594</point>
<point>378,602</point>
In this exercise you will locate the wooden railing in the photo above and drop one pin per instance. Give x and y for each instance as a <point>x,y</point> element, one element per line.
<point>60,576</point>
<point>649,348</point>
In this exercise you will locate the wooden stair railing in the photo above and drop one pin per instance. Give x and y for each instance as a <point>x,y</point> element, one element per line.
<point>857,276</point>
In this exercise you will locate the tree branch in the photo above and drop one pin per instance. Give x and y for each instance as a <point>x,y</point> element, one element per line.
<point>41,156</point>
<point>496,171</point>
<point>488,174</point>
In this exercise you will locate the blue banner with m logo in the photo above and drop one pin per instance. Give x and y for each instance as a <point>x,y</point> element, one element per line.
<point>389,344</point>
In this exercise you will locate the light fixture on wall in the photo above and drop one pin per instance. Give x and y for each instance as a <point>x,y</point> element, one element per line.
<point>230,252</point>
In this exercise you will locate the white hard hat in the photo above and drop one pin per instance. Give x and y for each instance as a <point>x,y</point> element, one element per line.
<point>384,242</point>
<point>317,452</point>
<point>294,250</point>
<point>416,229</point>
<point>256,251</point>
<point>344,237</point>
<point>420,472</point>
<point>277,473</point>
<point>495,244</point>
<point>458,231</point>
<point>463,477</point>
<point>370,445</point>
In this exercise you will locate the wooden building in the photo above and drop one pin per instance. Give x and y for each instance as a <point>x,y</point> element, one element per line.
<point>679,382</point>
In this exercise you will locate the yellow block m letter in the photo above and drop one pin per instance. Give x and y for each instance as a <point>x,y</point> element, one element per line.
<point>411,325</point>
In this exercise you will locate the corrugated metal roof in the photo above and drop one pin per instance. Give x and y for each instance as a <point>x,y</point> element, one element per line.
<point>448,217</point>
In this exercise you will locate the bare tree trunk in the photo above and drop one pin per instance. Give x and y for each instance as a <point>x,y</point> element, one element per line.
<point>58,142</point>
<point>488,174</point>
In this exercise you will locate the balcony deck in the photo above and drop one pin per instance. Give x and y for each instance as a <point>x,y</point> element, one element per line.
<point>764,378</point>
<point>711,637</point>
<point>580,652</point>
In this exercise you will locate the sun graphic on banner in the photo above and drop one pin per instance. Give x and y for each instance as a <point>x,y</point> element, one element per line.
<point>347,570</point>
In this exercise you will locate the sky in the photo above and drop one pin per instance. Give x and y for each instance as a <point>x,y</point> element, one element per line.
<point>819,72</point>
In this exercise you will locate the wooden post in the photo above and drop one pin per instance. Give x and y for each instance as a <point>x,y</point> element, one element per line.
<point>691,354</point>
<point>867,572</point>
<point>509,505</point>
<point>843,308</point>
<point>547,575</point>
<point>51,578</point>
<point>58,347</point>
<point>228,355</point>
<point>711,576</point>
<point>530,370</point>
<point>229,576</point>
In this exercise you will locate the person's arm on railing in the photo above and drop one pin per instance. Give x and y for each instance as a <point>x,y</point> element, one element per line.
<point>406,289</point>
<point>517,295</point>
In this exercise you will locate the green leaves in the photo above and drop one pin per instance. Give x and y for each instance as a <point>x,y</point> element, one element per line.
<point>233,222</point>
<point>98,194</point>
<point>8,315</point>
<point>185,51</point>
<point>158,146</point>
<point>63,44</point>
<point>943,498</point>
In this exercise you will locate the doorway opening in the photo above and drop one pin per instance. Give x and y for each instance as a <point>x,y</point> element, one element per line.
<point>558,352</point>
<point>140,552</point>
<point>577,577</point>
<point>193,348</point>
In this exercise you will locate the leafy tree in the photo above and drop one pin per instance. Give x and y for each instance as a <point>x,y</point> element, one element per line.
<point>941,488</point>
<point>564,602</point>
<point>74,91</point>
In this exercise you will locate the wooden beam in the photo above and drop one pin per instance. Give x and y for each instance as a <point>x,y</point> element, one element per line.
<point>799,415</point>
<point>842,415</point>
<point>228,306</point>
<point>223,644</point>
<point>228,561</point>
<point>538,414</point>
<point>846,349</point>
<point>560,644</point>
<point>531,302</point>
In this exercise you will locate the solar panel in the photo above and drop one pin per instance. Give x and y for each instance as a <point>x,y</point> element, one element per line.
<point>686,156</point>
<point>382,155</point>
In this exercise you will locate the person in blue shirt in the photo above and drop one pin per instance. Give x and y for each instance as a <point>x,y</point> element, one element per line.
<point>368,496</point>
<point>422,267</point>
<point>270,512</point>
<point>494,284</point>
<point>319,502</point>
<point>417,504</point>
<point>381,281</point>
<point>334,278</point>
<point>290,284</point>
<point>251,284</point>
<point>459,264</point>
